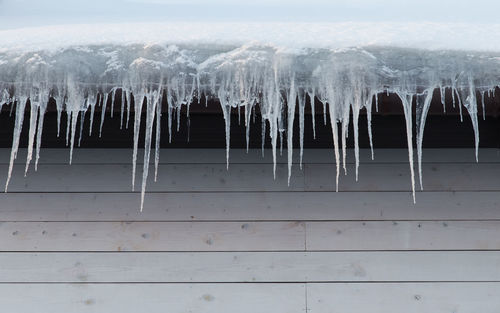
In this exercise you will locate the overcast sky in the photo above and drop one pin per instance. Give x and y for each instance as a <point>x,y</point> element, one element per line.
<point>22,13</point>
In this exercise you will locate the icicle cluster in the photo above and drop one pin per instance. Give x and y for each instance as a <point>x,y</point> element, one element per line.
<point>276,82</point>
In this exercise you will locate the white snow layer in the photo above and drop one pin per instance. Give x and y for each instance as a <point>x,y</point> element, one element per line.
<point>275,67</point>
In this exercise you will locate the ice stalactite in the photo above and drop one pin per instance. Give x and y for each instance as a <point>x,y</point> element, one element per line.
<point>158,133</point>
<point>122,108</point>
<point>20,106</point>
<point>312,98</point>
<point>302,103</point>
<point>152,100</point>
<point>369,106</point>
<point>103,111</point>
<point>291,104</point>
<point>31,134</point>
<point>92,103</point>
<point>406,99</point>
<point>470,103</point>
<point>138,101</point>
<point>423,103</point>
<point>73,106</point>
<point>226,113</point>
<point>44,100</point>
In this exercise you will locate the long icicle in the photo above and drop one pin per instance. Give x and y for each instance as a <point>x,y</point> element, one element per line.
<point>151,102</point>
<point>420,129</point>
<point>137,126</point>
<point>20,106</point>
<point>41,115</point>
<point>291,103</point>
<point>406,100</point>
<point>31,133</point>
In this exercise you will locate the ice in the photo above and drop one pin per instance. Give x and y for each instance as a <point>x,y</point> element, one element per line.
<point>263,71</point>
<point>32,133</point>
<point>20,106</point>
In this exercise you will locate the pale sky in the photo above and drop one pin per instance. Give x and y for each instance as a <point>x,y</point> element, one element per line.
<point>24,13</point>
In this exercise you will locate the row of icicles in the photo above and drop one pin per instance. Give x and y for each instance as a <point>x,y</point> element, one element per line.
<point>280,120</point>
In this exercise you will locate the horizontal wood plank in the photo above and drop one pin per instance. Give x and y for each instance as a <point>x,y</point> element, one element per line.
<point>254,206</point>
<point>396,177</point>
<point>253,177</point>
<point>250,236</point>
<point>152,298</point>
<point>180,177</point>
<point>240,156</point>
<point>409,298</point>
<point>250,267</point>
<point>151,236</point>
<point>404,235</point>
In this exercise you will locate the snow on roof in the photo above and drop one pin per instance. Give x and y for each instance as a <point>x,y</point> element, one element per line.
<point>419,35</point>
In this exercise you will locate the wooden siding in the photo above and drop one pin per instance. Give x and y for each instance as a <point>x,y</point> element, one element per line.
<point>72,238</point>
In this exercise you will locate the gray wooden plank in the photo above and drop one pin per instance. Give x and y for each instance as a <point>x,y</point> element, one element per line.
<point>212,267</point>
<point>173,156</point>
<point>400,297</point>
<point>152,298</point>
<point>259,206</point>
<point>254,177</point>
<point>249,236</point>
<point>403,235</point>
<point>179,177</point>
<point>151,236</point>
<point>396,177</point>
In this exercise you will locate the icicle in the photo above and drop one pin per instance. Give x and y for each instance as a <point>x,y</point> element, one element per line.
<point>68,124</point>
<point>313,115</point>
<point>483,104</point>
<point>158,133</point>
<point>41,114</point>
<point>103,112</point>
<point>324,113</point>
<point>32,132</point>
<point>178,115</point>
<point>151,103</point>
<point>18,125</point>
<point>344,132</point>
<point>263,135</point>
<point>442,91</point>
<point>369,122</point>
<point>302,104</point>
<point>356,107</point>
<point>59,108</point>
<point>406,100</point>
<point>226,112</point>
<point>137,124</point>
<point>281,142</point>
<point>470,103</point>
<point>423,103</point>
<point>82,122</point>
<point>122,108</point>
<point>239,113</point>
<point>333,122</point>
<point>113,93</point>
<point>92,111</point>
<point>74,121</point>
<point>291,103</point>
<point>248,114</point>
<point>128,107</point>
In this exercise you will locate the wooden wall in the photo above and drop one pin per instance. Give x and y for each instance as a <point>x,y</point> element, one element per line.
<point>72,238</point>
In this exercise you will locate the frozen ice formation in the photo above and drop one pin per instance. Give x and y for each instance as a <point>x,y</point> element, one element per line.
<point>277,79</point>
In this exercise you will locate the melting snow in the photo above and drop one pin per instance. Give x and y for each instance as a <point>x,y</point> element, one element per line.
<point>278,68</point>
